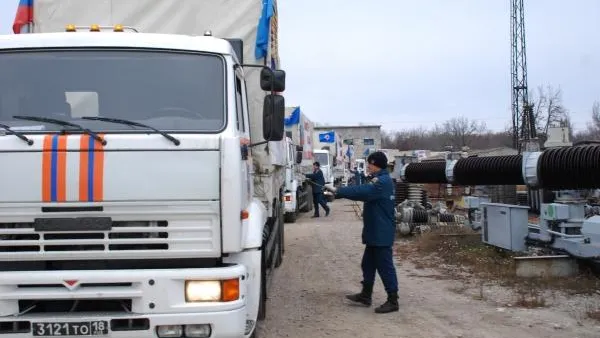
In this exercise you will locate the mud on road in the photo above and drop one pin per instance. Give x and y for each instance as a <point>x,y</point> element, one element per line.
<point>322,264</point>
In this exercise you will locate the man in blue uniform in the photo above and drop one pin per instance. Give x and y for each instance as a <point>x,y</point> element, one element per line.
<point>318,181</point>
<point>378,232</point>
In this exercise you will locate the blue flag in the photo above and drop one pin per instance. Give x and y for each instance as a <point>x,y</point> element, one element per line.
<point>328,137</point>
<point>350,151</point>
<point>263,30</point>
<point>294,117</point>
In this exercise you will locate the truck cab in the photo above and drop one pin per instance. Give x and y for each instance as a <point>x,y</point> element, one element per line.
<point>360,166</point>
<point>295,198</point>
<point>128,204</point>
<point>326,160</point>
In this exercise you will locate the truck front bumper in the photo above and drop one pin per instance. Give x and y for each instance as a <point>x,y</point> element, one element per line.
<point>153,298</point>
<point>226,324</point>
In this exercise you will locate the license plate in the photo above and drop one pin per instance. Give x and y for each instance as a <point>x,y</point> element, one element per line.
<point>94,328</point>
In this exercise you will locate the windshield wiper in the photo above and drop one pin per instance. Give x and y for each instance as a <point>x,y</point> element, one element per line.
<point>61,123</point>
<point>17,134</point>
<point>133,123</point>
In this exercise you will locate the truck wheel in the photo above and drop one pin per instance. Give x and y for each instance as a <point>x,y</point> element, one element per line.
<point>279,258</point>
<point>262,302</point>
<point>303,196</point>
<point>291,217</point>
<point>283,239</point>
<point>309,200</point>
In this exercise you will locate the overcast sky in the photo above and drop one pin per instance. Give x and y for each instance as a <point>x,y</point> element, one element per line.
<point>408,63</point>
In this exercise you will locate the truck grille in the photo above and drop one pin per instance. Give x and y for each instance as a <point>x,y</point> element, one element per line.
<point>125,240</point>
<point>137,235</point>
<point>174,231</point>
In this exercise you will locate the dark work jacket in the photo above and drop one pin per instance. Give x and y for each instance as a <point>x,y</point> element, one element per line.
<point>318,178</point>
<point>379,225</point>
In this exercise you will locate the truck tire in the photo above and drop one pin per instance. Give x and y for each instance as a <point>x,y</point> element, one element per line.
<point>283,232</point>
<point>303,196</point>
<point>262,302</point>
<point>309,200</point>
<point>280,240</point>
<point>291,217</point>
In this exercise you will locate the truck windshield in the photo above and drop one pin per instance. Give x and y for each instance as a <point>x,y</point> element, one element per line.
<point>166,90</point>
<point>322,158</point>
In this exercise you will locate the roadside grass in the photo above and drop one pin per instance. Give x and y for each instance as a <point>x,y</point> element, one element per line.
<point>459,253</point>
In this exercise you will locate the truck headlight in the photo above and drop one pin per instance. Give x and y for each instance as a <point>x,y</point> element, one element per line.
<point>202,291</point>
<point>212,290</point>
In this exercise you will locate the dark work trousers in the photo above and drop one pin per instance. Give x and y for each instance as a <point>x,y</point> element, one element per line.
<point>319,199</point>
<point>380,259</point>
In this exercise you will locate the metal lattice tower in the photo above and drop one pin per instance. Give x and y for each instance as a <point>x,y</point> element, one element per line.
<point>522,112</point>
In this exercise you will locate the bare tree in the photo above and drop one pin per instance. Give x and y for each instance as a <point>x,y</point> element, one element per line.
<point>456,132</point>
<point>548,109</point>
<point>459,130</point>
<point>593,129</point>
<point>596,114</point>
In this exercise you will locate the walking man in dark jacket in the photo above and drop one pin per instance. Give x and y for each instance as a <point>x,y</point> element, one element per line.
<point>318,181</point>
<point>378,232</point>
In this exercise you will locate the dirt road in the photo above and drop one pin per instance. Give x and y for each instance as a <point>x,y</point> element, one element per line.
<point>321,265</point>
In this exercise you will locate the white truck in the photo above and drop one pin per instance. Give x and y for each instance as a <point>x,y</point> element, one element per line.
<point>142,173</point>
<point>361,166</point>
<point>329,152</point>
<point>298,192</point>
<point>325,159</point>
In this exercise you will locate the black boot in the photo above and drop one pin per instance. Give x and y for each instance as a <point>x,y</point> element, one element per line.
<point>364,297</point>
<point>391,305</point>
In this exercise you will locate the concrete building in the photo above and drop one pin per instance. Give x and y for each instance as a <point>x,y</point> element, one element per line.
<point>362,138</point>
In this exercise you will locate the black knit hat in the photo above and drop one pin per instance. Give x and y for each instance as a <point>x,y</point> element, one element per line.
<point>378,159</point>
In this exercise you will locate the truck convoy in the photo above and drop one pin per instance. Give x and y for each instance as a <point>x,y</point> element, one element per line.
<point>310,145</point>
<point>143,173</point>
<point>298,193</point>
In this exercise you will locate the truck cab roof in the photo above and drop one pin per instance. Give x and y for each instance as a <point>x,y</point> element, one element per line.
<point>208,44</point>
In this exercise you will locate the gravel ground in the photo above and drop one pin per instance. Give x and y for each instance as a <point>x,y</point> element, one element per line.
<point>322,264</point>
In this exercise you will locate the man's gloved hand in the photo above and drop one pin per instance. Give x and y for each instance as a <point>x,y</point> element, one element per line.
<point>330,187</point>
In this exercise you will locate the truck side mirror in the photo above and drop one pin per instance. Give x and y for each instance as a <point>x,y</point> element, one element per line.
<point>298,157</point>
<point>273,116</point>
<point>272,80</point>
<point>334,162</point>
